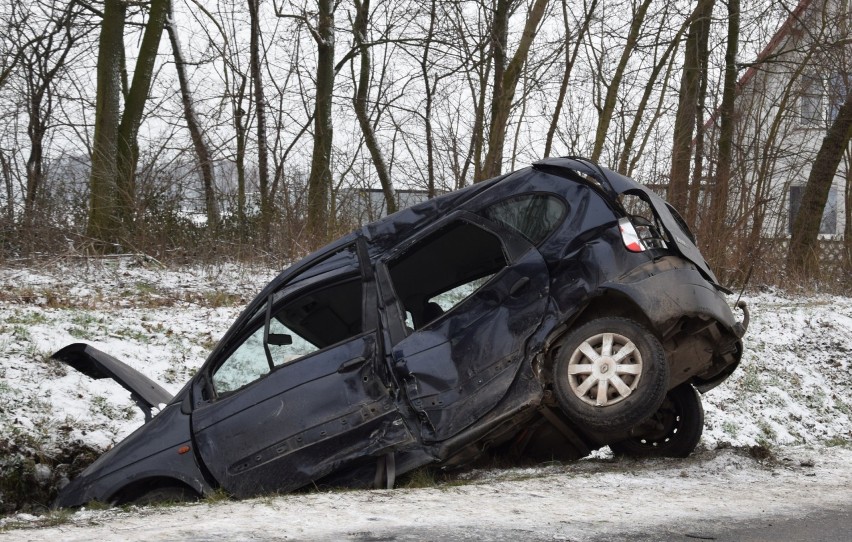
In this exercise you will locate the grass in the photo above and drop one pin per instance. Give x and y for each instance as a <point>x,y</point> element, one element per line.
<point>101,405</point>
<point>216,496</point>
<point>730,428</point>
<point>419,478</point>
<point>750,380</point>
<point>26,318</point>
<point>85,325</point>
<point>839,442</point>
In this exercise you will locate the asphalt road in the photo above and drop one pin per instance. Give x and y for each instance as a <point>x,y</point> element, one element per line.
<point>816,526</point>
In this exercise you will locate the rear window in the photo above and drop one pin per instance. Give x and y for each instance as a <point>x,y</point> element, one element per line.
<point>534,216</point>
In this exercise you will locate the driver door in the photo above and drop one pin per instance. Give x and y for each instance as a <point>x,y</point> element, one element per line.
<point>299,396</point>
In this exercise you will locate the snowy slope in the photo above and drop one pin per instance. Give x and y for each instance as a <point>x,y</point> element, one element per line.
<point>794,385</point>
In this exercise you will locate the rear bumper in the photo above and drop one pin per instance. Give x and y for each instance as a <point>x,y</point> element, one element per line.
<point>680,303</point>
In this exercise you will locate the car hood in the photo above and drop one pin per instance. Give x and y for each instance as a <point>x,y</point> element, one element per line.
<point>96,364</point>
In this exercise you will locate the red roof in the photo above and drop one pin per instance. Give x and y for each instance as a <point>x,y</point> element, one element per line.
<point>783,31</point>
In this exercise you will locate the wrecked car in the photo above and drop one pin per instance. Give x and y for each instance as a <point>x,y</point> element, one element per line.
<point>547,312</point>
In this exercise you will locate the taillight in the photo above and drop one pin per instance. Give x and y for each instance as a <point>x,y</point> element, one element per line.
<point>639,237</point>
<point>629,236</point>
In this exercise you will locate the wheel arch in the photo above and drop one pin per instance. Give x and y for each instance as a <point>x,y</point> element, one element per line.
<point>134,489</point>
<point>620,410</point>
<point>615,303</point>
<point>607,302</point>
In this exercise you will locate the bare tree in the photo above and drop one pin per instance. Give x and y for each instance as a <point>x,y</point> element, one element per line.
<point>199,143</point>
<point>260,112</point>
<point>50,40</point>
<point>694,71</point>
<point>803,255</point>
<point>612,88</point>
<point>570,59</point>
<point>506,78</point>
<point>319,178</point>
<point>115,147</point>
<point>362,90</point>
<point>716,225</point>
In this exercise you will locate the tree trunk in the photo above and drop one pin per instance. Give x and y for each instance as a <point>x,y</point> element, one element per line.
<point>847,229</point>
<point>202,152</point>
<point>359,30</point>
<point>240,158</point>
<point>716,226</point>
<point>691,211</point>
<point>502,106</point>
<point>35,172</point>
<point>499,33</point>
<point>260,110</point>
<point>478,132</point>
<point>127,149</point>
<point>103,220</point>
<point>427,115</point>
<point>319,179</point>
<point>687,107</point>
<point>803,256</point>
<point>6,170</point>
<point>613,87</point>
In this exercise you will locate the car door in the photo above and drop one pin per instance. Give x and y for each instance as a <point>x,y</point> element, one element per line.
<point>300,395</point>
<point>471,294</point>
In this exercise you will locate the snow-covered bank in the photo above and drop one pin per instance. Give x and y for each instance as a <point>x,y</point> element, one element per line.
<point>585,500</point>
<point>794,386</point>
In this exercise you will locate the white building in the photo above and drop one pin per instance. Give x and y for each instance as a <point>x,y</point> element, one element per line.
<point>787,99</point>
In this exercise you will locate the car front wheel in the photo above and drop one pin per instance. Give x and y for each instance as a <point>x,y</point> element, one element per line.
<point>673,431</point>
<point>610,374</point>
<point>167,494</point>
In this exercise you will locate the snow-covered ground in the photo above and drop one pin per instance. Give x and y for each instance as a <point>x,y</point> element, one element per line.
<point>794,386</point>
<point>589,500</point>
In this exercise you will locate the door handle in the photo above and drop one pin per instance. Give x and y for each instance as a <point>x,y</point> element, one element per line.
<point>351,364</point>
<point>519,285</point>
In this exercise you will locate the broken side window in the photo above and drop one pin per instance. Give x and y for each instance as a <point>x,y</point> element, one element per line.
<point>306,317</point>
<point>532,215</point>
<point>442,270</point>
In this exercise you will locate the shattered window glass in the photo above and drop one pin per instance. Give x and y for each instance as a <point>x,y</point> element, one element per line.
<point>533,215</point>
<point>313,318</point>
<point>445,268</point>
<point>451,298</point>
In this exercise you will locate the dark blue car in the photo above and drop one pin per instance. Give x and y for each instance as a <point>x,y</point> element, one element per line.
<point>546,313</point>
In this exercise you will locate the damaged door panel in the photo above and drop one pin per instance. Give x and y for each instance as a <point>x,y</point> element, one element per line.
<point>485,301</point>
<point>544,313</point>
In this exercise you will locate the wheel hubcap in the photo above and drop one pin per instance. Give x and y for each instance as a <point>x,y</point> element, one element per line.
<point>604,369</point>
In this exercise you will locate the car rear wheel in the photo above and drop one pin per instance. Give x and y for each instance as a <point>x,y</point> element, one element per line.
<point>610,374</point>
<point>673,431</point>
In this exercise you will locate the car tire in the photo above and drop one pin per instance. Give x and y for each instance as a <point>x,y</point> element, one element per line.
<point>673,431</point>
<point>164,494</point>
<point>623,356</point>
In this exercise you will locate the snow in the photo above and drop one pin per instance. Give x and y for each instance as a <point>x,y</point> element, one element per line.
<point>577,501</point>
<point>793,389</point>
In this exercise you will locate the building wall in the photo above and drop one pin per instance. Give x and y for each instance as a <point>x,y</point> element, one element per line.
<point>784,109</point>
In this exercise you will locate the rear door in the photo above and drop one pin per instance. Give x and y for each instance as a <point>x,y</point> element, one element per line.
<point>300,398</point>
<point>471,293</point>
